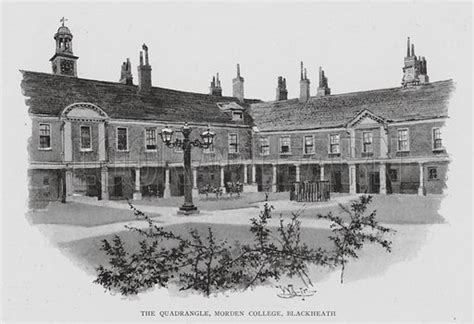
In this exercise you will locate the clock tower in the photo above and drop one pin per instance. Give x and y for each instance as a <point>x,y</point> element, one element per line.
<point>63,61</point>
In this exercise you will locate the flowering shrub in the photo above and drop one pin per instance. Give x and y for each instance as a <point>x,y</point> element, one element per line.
<point>210,189</point>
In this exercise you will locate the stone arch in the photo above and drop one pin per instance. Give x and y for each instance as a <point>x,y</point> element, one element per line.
<point>84,111</point>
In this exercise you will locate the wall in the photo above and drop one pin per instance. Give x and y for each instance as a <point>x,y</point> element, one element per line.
<point>55,153</point>
<point>138,153</point>
<point>84,156</point>
<point>44,185</point>
<point>420,135</point>
<point>321,146</point>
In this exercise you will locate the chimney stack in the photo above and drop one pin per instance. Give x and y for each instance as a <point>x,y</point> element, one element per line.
<point>323,88</point>
<point>238,85</point>
<point>304,84</point>
<point>215,88</point>
<point>144,72</point>
<point>415,69</point>
<point>281,92</point>
<point>126,76</point>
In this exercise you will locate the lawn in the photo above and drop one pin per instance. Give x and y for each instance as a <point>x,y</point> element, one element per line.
<point>78,214</point>
<point>391,209</point>
<point>89,253</point>
<point>372,261</point>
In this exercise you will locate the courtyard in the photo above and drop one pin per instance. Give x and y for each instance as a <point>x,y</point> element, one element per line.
<point>78,229</point>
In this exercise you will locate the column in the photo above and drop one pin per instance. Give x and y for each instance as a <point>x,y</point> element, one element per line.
<point>254,174</point>
<point>104,183</point>
<point>222,176</point>
<point>69,184</point>
<point>321,172</point>
<point>383,181</point>
<point>252,187</point>
<point>421,188</point>
<point>166,192</point>
<point>383,142</point>
<point>297,173</point>
<point>274,178</point>
<point>352,179</point>
<point>137,194</point>
<point>195,188</point>
<point>353,142</point>
<point>67,141</point>
<point>102,154</point>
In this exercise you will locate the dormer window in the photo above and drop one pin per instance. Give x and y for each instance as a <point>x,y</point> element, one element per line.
<point>237,115</point>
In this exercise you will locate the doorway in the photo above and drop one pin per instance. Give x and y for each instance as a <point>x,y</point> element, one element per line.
<point>336,181</point>
<point>118,192</point>
<point>374,182</point>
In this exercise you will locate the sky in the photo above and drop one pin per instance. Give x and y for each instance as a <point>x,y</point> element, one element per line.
<point>360,45</point>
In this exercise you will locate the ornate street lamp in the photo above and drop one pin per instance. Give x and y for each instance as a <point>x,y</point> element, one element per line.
<point>186,144</point>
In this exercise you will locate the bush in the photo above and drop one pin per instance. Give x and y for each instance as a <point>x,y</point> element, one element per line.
<point>234,188</point>
<point>210,189</point>
<point>204,263</point>
<point>350,237</point>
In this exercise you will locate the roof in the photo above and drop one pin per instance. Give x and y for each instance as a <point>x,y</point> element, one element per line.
<point>425,101</point>
<point>49,94</point>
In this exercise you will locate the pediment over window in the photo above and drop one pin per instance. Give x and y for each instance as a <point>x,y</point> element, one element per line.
<point>84,112</point>
<point>366,118</point>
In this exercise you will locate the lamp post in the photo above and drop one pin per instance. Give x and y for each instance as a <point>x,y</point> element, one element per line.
<point>186,145</point>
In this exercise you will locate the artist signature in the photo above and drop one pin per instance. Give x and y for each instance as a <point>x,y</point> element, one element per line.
<point>291,292</point>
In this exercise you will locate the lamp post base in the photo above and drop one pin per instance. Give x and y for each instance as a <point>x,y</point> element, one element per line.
<point>188,210</point>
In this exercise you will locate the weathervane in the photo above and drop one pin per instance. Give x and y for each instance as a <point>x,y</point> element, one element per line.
<point>63,20</point>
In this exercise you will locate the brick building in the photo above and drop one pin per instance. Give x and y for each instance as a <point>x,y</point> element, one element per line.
<point>101,139</point>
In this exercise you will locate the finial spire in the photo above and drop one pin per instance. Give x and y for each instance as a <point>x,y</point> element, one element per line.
<point>412,49</point>
<point>238,69</point>
<point>305,75</point>
<point>408,46</point>
<point>301,70</point>
<point>63,20</point>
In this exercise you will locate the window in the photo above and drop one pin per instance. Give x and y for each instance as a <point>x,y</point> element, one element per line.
<point>44,136</point>
<point>180,136</point>
<point>403,140</point>
<point>285,145</point>
<point>264,146</point>
<point>233,143</point>
<point>122,139</point>
<point>150,139</point>
<point>237,115</point>
<point>86,144</point>
<point>393,174</point>
<point>46,181</point>
<point>308,144</point>
<point>432,173</point>
<point>437,143</point>
<point>367,139</point>
<point>334,144</point>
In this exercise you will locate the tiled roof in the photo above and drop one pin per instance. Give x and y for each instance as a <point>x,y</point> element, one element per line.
<point>395,104</point>
<point>49,94</point>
